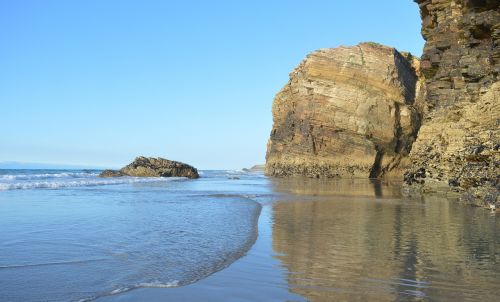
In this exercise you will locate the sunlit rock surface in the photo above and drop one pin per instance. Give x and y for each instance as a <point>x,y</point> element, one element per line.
<point>348,112</point>
<point>459,139</point>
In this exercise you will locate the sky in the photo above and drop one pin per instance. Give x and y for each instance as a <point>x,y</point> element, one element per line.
<point>91,82</point>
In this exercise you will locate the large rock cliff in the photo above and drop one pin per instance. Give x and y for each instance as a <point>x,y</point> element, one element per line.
<point>356,111</point>
<point>348,112</point>
<point>459,139</point>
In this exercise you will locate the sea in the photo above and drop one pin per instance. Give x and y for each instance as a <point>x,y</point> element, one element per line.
<point>68,235</point>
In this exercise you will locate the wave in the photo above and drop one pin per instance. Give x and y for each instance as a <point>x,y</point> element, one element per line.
<point>242,171</point>
<point>47,175</point>
<point>233,174</point>
<point>224,261</point>
<point>121,290</point>
<point>174,283</point>
<point>83,182</point>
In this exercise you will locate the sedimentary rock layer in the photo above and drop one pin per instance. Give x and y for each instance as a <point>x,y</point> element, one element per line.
<point>348,112</point>
<point>459,138</point>
<point>461,55</point>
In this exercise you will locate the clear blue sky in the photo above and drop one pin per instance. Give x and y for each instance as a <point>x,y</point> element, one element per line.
<point>99,82</point>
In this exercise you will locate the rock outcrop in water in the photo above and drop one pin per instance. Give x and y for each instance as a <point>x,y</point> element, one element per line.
<point>348,112</point>
<point>458,143</point>
<point>154,167</point>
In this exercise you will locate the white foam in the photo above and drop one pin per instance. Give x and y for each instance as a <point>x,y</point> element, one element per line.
<point>46,175</point>
<point>158,284</point>
<point>52,184</point>
<point>119,290</point>
<point>155,284</point>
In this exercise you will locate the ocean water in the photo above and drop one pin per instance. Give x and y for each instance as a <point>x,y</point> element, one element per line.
<point>237,236</point>
<point>70,236</point>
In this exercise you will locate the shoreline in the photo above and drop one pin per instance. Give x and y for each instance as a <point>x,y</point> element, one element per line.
<point>308,250</point>
<point>231,283</point>
<point>314,240</point>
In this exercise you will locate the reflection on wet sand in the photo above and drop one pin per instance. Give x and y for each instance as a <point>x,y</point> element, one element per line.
<point>338,187</point>
<point>338,246</point>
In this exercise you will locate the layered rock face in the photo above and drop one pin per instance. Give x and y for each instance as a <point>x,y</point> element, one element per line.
<point>461,55</point>
<point>154,167</point>
<point>348,112</point>
<point>459,138</point>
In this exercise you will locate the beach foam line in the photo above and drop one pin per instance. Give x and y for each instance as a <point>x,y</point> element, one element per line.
<point>84,182</point>
<point>120,290</point>
<point>47,175</point>
<point>157,284</point>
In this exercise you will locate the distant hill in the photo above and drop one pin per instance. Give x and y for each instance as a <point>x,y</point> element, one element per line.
<point>255,168</point>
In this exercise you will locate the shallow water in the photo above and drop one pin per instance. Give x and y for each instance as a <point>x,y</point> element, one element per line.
<point>386,248</point>
<point>82,242</point>
<point>317,240</point>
